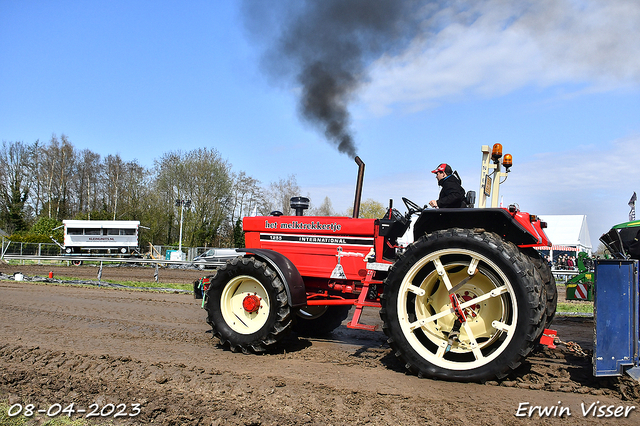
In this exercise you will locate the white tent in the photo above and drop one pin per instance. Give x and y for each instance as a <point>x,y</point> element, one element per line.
<point>568,232</point>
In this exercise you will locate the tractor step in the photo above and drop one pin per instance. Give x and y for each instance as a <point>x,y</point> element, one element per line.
<point>362,302</point>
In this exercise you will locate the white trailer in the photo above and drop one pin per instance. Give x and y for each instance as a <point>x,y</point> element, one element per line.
<point>111,236</point>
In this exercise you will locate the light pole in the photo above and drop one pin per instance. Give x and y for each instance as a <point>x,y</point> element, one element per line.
<point>182,204</point>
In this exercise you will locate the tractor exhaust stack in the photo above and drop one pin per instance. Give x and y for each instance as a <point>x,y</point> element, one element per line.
<point>356,202</point>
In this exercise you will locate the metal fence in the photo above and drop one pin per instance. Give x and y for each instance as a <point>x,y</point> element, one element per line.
<point>12,248</point>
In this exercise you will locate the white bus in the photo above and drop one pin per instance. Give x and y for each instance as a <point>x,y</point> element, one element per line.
<point>112,236</point>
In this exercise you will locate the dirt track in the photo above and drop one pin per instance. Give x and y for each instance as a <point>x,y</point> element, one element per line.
<point>69,344</point>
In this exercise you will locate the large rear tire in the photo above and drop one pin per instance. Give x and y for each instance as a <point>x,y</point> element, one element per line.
<point>542,266</point>
<point>494,283</point>
<point>247,306</point>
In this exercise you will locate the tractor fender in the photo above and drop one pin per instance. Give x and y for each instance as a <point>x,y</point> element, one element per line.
<point>496,220</point>
<point>289,274</point>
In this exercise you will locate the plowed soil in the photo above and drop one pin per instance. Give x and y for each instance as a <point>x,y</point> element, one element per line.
<point>63,344</point>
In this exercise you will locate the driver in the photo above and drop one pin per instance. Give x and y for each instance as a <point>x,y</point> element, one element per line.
<point>452,194</point>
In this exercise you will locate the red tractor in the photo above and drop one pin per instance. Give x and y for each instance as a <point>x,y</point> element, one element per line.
<point>466,301</point>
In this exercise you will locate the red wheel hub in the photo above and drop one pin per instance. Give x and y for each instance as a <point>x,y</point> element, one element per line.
<point>472,310</point>
<point>251,303</point>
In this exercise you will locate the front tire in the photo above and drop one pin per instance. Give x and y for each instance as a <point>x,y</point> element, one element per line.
<point>247,305</point>
<point>494,283</point>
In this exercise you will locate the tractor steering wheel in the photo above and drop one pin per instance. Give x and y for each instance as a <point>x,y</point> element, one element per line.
<point>413,207</point>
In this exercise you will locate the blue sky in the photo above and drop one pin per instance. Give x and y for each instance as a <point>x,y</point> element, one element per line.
<point>556,82</point>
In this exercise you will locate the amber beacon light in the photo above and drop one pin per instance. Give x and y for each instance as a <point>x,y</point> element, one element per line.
<point>507,161</point>
<point>496,153</point>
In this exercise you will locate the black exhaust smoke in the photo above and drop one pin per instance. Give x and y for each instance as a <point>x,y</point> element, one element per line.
<point>325,46</point>
<point>324,103</point>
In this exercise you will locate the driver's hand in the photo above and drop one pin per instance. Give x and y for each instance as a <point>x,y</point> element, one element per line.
<point>434,203</point>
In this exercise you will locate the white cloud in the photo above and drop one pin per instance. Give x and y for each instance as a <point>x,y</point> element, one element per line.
<point>588,167</point>
<point>596,181</point>
<point>509,45</point>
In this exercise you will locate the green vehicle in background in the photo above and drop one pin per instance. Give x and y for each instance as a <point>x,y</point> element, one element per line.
<point>622,243</point>
<point>622,240</point>
<point>580,287</point>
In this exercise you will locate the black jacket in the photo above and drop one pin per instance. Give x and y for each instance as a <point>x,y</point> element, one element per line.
<point>452,193</point>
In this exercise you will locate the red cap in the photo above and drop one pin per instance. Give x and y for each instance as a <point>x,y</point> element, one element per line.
<point>441,168</point>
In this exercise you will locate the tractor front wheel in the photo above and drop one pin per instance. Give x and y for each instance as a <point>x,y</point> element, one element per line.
<point>247,305</point>
<point>462,305</point>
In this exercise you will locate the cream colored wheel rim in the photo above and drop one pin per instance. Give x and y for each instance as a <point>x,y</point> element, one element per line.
<point>231,304</point>
<point>312,312</point>
<point>487,298</point>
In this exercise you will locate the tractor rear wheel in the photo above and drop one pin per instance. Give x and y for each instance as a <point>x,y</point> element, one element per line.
<point>542,266</point>
<point>462,305</point>
<point>247,305</point>
<point>320,320</point>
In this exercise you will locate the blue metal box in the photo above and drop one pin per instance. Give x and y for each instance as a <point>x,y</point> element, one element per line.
<point>616,314</point>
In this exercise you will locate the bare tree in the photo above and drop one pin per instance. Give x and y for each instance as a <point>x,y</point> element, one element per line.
<point>86,187</point>
<point>37,187</point>
<point>15,180</point>
<point>324,209</point>
<point>246,193</point>
<point>278,196</point>
<point>166,188</point>
<point>58,166</point>
<point>208,186</point>
<point>113,169</point>
<point>135,182</point>
<point>204,178</point>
